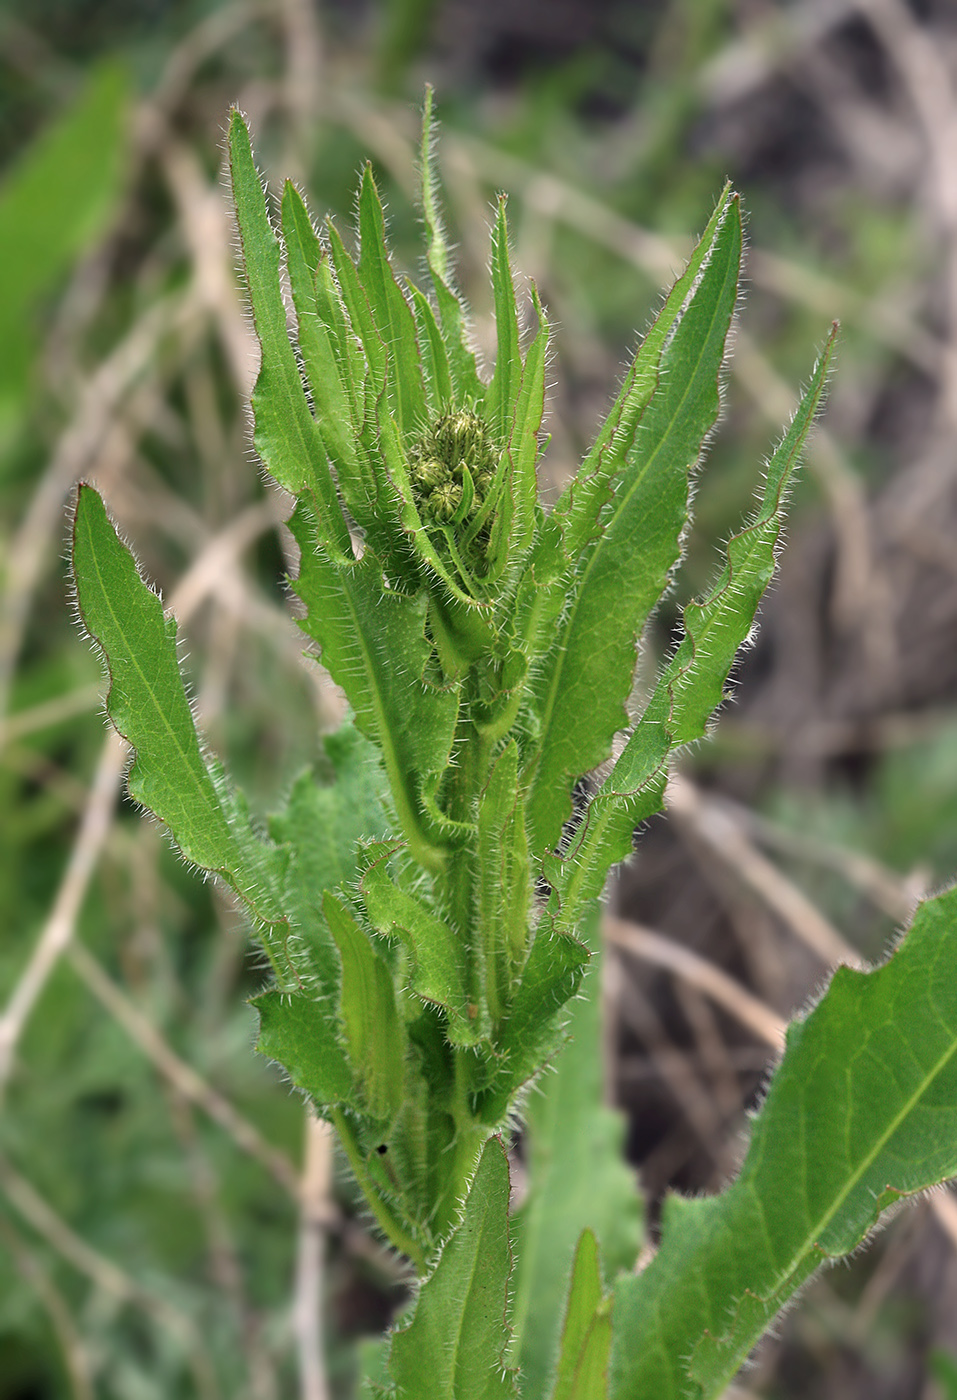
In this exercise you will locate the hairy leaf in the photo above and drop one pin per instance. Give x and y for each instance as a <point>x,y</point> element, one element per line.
<point>373,642</point>
<point>287,436</point>
<point>369,1016</point>
<point>453,1348</point>
<point>586,1338</point>
<point>583,686</point>
<point>578,1181</point>
<point>861,1111</point>
<point>692,685</point>
<point>302,1035</point>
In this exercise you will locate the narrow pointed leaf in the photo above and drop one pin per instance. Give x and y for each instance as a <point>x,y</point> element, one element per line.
<point>466,383</point>
<point>580,504</point>
<point>453,1347</point>
<point>390,310</point>
<point>331,402</point>
<point>287,436</point>
<point>861,1111</point>
<point>588,676</point>
<point>586,1338</point>
<point>435,360</point>
<point>505,886</point>
<point>503,389</point>
<point>578,1180</point>
<point>692,685</point>
<point>147,701</point>
<point>370,1019</point>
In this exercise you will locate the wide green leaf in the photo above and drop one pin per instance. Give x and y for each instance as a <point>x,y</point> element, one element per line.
<point>581,691</point>
<point>302,1035</point>
<point>453,1347</point>
<point>861,1111</point>
<point>321,824</point>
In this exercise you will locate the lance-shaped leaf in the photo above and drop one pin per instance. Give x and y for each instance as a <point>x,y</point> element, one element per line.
<point>373,642</point>
<point>334,406</point>
<point>583,686</point>
<point>147,703</point>
<point>370,1020</point>
<point>435,358</point>
<point>287,436</point>
<point>507,376</point>
<point>515,502</point>
<point>586,1338</point>
<point>861,1111</point>
<point>504,879</point>
<point>692,685</point>
<point>578,1180</point>
<point>439,960</point>
<point>453,1348</point>
<point>466,383</point>
<point>390,311</point>
<point>578,508</point>
<point>302,1035</point>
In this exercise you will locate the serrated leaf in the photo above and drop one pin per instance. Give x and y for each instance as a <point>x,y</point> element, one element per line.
<point>439,962</point>
<point>146,701</point>
<point>370,1020</point>
<point>692,685</point>
<point>861,1111</point>
<point>586,1337</point>
<point>287,436</point>
<point>301,1034</point>
<point>578,1180</point>
<point>373,643</point>
<point>453,1348</point>
<point>581,691</point>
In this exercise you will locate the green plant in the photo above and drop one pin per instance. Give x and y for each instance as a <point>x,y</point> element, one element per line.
<point>428,898</point>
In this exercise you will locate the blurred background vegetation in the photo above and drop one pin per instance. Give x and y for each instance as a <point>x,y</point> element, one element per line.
<point>167,1219</point>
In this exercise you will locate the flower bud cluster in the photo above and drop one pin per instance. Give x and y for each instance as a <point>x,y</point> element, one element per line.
<point>452,467</point>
